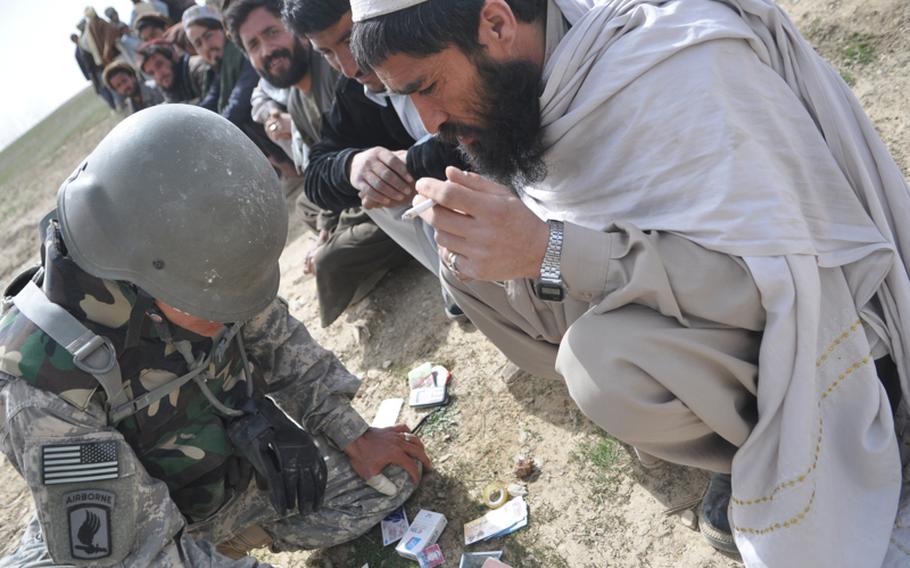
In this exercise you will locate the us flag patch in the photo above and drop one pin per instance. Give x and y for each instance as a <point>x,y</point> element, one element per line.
<point>77,463</point>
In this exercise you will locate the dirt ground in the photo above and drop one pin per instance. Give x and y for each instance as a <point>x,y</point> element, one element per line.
<point>591,504</point>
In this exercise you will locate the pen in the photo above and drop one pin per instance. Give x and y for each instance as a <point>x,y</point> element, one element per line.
<point>417,209</point>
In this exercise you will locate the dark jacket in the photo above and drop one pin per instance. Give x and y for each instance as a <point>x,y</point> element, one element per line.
<point>88,69</point>
<point>230,86</point>
<point>228,89</point>
<point>354,124</point>
<point>189,77</point>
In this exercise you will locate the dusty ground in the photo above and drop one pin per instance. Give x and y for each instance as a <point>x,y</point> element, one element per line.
<point>592,504</point>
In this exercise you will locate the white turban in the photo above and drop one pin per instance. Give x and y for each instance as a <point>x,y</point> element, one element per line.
<point>365,9</point>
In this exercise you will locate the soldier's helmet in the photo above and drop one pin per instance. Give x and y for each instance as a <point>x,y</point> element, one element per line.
<point>179,202</point>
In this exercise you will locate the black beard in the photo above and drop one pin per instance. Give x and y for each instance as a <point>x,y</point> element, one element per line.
<point>508,144</point>
<point>299,57</point>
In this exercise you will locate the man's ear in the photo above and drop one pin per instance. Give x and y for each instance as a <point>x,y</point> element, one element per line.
<point>498,29</point>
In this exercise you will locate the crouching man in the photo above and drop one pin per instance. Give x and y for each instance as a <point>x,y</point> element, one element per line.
<point>157,397</point>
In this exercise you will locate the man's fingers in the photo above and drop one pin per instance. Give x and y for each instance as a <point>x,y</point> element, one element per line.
<point>404,460</point>
<point>466,270</point>
<point>370,199</point>
<point>397,165</point>
<point>452,242</point>
<point>369,203</point>
<point>393,178</point>
<point>418,452</point>
<point>376,182</point>
<point>452,195</point>
<point>413,445</point>
<point>448,221</point>
<point>400,428</point>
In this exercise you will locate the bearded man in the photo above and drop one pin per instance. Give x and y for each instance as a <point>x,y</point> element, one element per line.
<point>685,214</point>
<point>120,77</point>
<point>351,254</point>
<point>373,144</point>
<point>181,78</point>
<point>231,79</point>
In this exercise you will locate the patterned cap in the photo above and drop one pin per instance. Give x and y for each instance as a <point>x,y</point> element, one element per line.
<point>365,9</point>
<point>196,13</point>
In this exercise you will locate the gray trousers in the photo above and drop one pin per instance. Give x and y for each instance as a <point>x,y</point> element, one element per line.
<point>415,236</point>
<point>663,356</point>
<point>357,254</point>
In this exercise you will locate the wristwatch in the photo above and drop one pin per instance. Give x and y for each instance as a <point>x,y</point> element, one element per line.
<point>549,286</point>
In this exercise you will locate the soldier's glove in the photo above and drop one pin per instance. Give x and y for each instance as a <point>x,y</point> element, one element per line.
<point>286,460</point>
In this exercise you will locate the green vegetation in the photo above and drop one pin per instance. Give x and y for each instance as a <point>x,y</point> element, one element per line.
<point>602,463</point>
<point>442,420</point>
<point>82,111</point>
<point>858,51</point>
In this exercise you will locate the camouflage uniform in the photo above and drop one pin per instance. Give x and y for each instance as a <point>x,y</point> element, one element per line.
<point>174,482</point>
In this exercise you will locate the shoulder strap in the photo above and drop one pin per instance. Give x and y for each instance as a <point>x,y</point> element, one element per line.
<point>91,353</point>
<point>96,355</point>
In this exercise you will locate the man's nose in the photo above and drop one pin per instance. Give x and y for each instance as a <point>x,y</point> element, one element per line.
<point>349,67</point>
<point>432,115</point>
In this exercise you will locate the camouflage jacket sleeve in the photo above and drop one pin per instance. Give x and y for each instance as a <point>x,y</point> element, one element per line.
<point>308,381</point>
<point>96,504</point>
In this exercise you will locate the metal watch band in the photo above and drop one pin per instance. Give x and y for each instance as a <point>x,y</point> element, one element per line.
<point>549,268</point>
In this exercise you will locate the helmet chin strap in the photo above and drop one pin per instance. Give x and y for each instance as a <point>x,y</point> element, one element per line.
<point>144,302</point>
<point>145,308</point>
<point>193,363</point>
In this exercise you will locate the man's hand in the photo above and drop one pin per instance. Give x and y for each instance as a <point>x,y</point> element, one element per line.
<point>381,176</point>
<point>309,261</point>
<point>494,235</point>
<point>278,125</point>
<point>379,447</point>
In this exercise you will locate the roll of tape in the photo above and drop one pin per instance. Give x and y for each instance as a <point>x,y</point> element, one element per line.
<point>495,495</point>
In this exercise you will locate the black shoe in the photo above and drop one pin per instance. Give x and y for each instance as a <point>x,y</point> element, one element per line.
<point>453,311</point>
<point>712,514</point>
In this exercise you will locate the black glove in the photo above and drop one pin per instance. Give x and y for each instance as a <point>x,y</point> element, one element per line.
<point>286,460</point>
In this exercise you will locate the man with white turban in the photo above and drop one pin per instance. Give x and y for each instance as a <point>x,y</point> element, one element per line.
<point>684,213</point>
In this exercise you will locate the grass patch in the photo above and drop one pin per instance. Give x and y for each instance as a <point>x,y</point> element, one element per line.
<point>82,111</point>
<point>601,462</point>
<point>858,51</point>
<point>443,420</point>
<point>36,149</point>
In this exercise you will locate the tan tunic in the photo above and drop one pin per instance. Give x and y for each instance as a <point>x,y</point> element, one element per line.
<point>657,340</point>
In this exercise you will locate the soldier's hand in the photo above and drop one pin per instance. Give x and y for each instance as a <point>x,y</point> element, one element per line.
<point>381,177</point>
<point>286,460</point>
<point>309,261</point>
<point>379,447</point>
